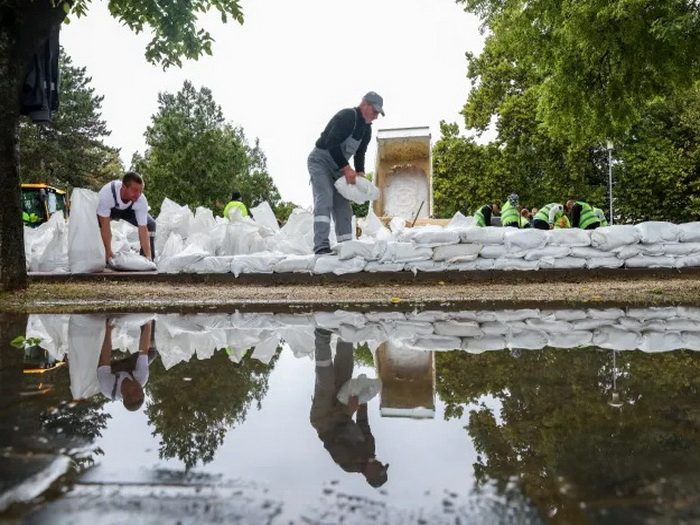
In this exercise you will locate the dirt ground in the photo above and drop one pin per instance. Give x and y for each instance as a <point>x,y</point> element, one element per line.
<point>139,292</point>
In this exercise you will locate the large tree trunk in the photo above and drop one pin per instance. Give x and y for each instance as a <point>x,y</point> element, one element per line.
<point>24,27</point>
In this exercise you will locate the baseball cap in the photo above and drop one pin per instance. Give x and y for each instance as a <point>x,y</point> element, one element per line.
<point>376,101</point>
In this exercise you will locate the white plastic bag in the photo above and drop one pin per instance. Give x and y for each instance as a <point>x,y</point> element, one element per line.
<point>362,191</point>
<point>86,253</point>
<point>361,386</point>
<point>130,261</point>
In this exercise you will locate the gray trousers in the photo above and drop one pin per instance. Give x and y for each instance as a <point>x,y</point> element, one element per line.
<point>331,374</point>
<point>327,202</point>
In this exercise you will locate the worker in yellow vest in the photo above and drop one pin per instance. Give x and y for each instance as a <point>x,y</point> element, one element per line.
<point>510,211</point>
<point>581,215</point>
<point>235,203</point>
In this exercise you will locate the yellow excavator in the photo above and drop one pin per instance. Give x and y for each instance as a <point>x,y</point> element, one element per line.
<point>40,201</point>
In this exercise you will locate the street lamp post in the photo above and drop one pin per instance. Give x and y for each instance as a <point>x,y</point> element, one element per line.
<point>610,180</point>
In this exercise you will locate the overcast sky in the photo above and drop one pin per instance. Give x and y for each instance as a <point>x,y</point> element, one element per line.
<point>288,69</point>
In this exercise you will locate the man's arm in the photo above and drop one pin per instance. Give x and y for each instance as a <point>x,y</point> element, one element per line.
<point>106,350</point>
<point>106,234</point>
<point>553,215</point>
<point>359,157</point>
<point>145,241</point>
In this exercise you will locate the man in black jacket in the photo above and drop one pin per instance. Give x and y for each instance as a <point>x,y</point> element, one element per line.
<point>346,135</point>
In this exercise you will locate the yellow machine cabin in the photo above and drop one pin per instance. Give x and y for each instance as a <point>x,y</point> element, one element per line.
<point>40,201</point>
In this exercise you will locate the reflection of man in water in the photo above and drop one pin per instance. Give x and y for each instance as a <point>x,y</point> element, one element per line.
<point>349,442</point>
<point>126,378</point>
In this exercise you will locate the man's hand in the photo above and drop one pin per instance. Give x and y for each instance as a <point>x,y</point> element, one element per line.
<point>350,174</point>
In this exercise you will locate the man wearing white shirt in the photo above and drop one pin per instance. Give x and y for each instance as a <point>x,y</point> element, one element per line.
<point>125,200</point>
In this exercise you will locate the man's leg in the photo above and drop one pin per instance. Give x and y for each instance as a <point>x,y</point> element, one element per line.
<point>151,225</point>
<point>324,387</point>
<point>342,215</point>
<point>322,187</point>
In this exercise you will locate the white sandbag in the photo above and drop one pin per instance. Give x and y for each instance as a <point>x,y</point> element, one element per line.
<point>460,222</point>
<point>587,252</point>
<point>362,191</point>
<point>362,387</point>
<point>331,264</point>
<point>660,341</point>
<point>296,236</point>
<point>486,235</point>
<point>653,312</point>
<point>569,315</point>
<point>175,257</point>
<point>591,324</point>
<point>440,343</point>
<point>55,255</point>
<point>527,339</point>
<point>521,314</point>
<point>605,313</point>
<point>477,264</point>
<point>86,253</point>
<point>242,237</point>
<point>604,262</point>
<point>296,263</point>
<point>458,328</point>
<point>367,332</point>
<point>498,327</point>
<point>369,249</point>
<point>456,253</point>
<point>528,239</point>
<point>431,236</point>
<point>616,339</point>
<point>658,232</point>
<point>689,312</point>
<point>405,252</point>
<point>425,266</point>
<point>689,232</point>
<point>85,337</point>
<point>644,261</point>
<point>396,329</point>
<point>567,263</point>
<point>682,248</point>
<point>172,218</point>
<point>553,252</point>
<point>573,339</point>
<point>52,331</point>
<point>688,261</point>
<point>550,326</point>
<point>568,237</point>
<point>373,227</point>
<point>493,251</point>
<point>376,266</point>
<point>263,262</point>
<point>265,217</point>
<point>131,262</point>
<point>482,344</point>
<point>610,237</point>
<point>682,325</point>
<point>515,264</point>
<point>627,252</point>
<point>691,340</point>
<point>211,264</point>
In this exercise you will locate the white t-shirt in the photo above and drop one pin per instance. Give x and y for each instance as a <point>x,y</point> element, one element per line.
<point>106,203</point>
<point>111,384</point>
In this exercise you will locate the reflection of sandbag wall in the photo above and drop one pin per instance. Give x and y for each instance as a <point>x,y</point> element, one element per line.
<point>179,337</point>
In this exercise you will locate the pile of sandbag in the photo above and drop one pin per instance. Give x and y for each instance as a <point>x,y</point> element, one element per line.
<point>180,337</point>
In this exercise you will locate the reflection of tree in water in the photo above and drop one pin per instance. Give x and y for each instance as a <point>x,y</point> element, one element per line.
<point>195,403</point>
<point>560,436</point>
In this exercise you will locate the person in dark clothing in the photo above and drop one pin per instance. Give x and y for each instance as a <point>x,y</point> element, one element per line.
<point>349,441</point>
<point>483,215</point>
<point>582,215</point>
<point>346,135</point>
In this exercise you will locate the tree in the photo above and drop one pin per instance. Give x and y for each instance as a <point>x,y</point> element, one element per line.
<point>24,27</point>
<point>68,151</point>
<point>196,157</point>
<point>597,62</point>
<point>193,418</point>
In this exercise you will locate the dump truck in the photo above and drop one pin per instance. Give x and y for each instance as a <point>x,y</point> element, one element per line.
<point>403,174</point>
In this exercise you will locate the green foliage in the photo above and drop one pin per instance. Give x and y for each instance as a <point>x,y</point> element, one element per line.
<point>193,417</point>
<point>361,210</point>
<point>173,26</point>
<point>69,150</point>
<point>596,62</point>
<point>195,157</point>
<point>25,342</point>
<point>568,418</point>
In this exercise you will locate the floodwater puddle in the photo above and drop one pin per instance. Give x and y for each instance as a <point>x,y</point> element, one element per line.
<point>511,416</point>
